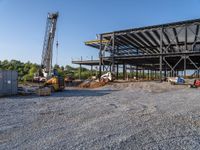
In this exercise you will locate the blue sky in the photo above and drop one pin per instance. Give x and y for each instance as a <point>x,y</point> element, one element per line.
<point>22,24</point>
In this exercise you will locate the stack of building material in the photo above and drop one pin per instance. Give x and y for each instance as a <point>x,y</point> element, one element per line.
<point>45,91</point>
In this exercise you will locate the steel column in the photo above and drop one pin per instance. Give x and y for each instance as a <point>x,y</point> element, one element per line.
<point>117,71</point>
<point>100,56</point>
<point>79,71</point>
<point>161,51</point>
<point>124,74</point>
<point>113,53</point>
<point>185,66</point>
<point>143,73</point>
<point>186,38</point>
<point>136,72</point>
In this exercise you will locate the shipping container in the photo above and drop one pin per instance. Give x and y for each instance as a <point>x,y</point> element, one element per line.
<point>8,82</point>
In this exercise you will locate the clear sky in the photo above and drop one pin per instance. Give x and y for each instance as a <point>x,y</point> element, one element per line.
<point>22,23</point>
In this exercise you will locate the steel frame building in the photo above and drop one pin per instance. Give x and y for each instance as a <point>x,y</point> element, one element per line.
<point>168,48</point>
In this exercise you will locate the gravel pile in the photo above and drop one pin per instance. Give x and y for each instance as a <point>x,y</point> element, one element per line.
<point>142,115</point>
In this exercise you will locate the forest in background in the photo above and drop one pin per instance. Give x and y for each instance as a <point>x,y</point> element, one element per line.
<point>26,71</point>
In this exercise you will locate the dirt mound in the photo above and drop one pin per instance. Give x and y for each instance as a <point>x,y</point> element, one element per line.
<point>91,84</point>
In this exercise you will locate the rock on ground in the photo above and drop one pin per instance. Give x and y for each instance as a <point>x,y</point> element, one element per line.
<point>143,115</point>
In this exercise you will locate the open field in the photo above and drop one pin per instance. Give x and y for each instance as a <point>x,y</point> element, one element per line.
<point>143,115</point>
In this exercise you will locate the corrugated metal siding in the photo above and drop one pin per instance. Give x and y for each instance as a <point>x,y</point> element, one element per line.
<point>8,82</point>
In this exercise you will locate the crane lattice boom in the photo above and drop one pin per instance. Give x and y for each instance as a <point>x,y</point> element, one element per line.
<point>47,53</point>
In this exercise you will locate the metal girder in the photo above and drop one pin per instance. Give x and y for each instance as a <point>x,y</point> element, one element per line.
<point>173,39</point>
<point>128,49</point>
<point>172,67</point>
<point>196,34</point>
<point>193,63</point>
<point>144,39</point>
<point>116,42</point>
<point>139,40</point>
<point>157,27</point>
<point>166,36</point>
<point>152,38</point>
<point>186,35</point>
<point>161,51</point>
<point>158,37</point>
<point>147,41</point>
<point>121,44</point>
<point>113,53</point>
<point>129,42</point>
<point>136,46</point>
<point>176,35</point>
<point>125,43</point>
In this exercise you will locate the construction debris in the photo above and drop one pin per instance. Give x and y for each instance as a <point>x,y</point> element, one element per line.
<point>107,77</point>
<point>193,83</point>
<point>46,91</point>
<point>176,80</point>
<point>91,84</point>
<point>95,83</point>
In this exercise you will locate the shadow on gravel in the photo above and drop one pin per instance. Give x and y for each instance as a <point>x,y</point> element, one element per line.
<point>66,93</point>
<point>77,92</point>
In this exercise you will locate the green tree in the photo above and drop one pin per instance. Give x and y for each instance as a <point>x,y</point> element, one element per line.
<point>33,69</point>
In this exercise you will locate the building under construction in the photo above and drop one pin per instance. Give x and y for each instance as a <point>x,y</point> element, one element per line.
<point>165,50</point>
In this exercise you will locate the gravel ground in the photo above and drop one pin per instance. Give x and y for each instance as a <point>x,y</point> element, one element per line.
<point>143,115</point>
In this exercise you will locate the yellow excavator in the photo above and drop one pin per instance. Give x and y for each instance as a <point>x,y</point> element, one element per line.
<point>56,83</point>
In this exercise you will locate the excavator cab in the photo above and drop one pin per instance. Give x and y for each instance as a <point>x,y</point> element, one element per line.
<point>56,82</point>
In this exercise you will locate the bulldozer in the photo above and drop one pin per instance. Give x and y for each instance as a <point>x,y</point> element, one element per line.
<point>107,77</point>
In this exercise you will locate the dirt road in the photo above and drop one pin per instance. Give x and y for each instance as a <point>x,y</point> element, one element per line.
<point>120,116</point>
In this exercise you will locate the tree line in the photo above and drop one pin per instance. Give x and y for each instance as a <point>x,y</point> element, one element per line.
<point>26,71</point>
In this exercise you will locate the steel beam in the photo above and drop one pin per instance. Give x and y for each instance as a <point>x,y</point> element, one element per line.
<point>185,67</point>
<point>113,53</point>
<point>161,51</point>
<point>100,56</point>
<point>124,71</point>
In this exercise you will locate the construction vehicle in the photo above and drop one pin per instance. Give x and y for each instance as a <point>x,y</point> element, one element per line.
<point>176,80</point>
<point>196,83</point>
<point>193,83</point>
<point>54,81</point>
<point>107,77</point>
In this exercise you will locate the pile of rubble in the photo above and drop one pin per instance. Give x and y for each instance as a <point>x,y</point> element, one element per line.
<point>92,84</point>
<point>95,83</point>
